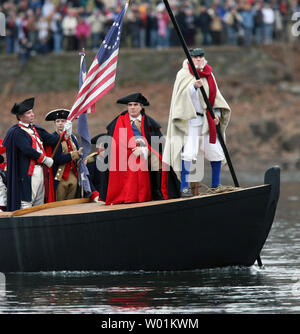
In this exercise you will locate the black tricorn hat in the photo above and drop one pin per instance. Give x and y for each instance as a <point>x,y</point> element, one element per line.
<point>135,97</point>
<point>57,114</point>
<point>22,107</point>
<point>94,139</point>
<point>198,52</point>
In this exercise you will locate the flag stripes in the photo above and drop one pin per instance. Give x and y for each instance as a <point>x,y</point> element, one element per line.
<point>101,76</point>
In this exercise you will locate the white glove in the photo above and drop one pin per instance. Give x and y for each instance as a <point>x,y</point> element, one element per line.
<point>140,151</point>
<point>96,199</point>
<point>140,142</point>
<point>68,129</point>
<point>48,162</point>
<point>137,151</point>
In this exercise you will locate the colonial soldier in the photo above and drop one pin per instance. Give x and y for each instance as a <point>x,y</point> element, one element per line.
<point>64,172</point>
<point>26,156</point>
<point>191,133</point>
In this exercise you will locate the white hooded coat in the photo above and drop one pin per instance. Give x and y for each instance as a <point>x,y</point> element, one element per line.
<point>181,111</point>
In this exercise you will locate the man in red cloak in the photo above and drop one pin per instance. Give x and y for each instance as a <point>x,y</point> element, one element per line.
<point>136,145</point>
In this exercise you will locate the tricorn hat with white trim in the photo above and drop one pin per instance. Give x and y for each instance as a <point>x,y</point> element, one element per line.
<point>57,114</point>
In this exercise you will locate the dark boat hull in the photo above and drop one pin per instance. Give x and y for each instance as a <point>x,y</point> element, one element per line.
<point>202,232</point>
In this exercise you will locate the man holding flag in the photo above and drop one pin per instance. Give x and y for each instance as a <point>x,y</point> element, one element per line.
<point>64,172</point>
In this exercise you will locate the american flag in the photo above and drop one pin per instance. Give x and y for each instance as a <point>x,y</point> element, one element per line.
<point>101,76</point>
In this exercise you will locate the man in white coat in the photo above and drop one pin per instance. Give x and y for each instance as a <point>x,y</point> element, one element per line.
<point>191,133</point>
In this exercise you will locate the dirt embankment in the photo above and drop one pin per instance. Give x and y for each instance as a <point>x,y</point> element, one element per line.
<point>262,86</point>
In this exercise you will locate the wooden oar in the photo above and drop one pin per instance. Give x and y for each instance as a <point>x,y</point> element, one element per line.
<point>22,212</point>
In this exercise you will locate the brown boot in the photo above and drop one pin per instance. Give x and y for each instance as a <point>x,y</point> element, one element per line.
<point>195,188</point>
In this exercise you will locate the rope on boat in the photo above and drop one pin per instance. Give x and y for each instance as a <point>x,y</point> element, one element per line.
<point>205,190</point>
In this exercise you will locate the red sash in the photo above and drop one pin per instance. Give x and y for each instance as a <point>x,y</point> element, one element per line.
<point>69,164</point>
<point>207,73</point>
<point>36,140</point>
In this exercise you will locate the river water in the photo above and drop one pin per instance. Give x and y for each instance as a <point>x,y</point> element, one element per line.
<point>273,289</point>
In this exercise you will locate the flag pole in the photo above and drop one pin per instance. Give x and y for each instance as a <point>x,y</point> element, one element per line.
<point>58,144</point>
<point>187,53</point>
<point>82,55</point>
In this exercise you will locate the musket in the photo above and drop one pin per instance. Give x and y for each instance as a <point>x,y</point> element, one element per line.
<point>189,58</point>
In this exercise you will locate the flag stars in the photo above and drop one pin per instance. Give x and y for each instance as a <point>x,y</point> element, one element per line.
<point>106,43</point>
<point>107,52</point>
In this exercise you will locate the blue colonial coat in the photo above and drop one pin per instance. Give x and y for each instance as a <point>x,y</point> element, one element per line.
<point>19,152</point>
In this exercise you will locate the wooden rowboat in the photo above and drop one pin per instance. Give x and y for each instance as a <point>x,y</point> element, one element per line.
<point>208,231</point>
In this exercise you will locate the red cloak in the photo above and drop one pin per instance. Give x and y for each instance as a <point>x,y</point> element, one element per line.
<point>129,180</point>
<point>126,185</point>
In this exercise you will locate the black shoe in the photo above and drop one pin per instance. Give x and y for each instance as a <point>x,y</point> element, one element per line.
<point>155,180</point>
<point>157,195</point>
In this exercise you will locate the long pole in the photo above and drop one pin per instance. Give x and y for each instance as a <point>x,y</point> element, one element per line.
<point>189,58</point>
<point>221,139</point>
<point>57,145</point>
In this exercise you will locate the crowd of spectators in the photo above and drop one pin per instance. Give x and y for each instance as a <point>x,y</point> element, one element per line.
<point>43,26</point>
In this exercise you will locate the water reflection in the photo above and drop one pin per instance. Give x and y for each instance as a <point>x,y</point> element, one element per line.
<point>214,290</point>
<point>122,292</point>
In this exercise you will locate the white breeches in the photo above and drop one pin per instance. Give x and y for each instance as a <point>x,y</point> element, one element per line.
<point>3,193</point>
<point>37,188</point>
<point>212,152</point>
